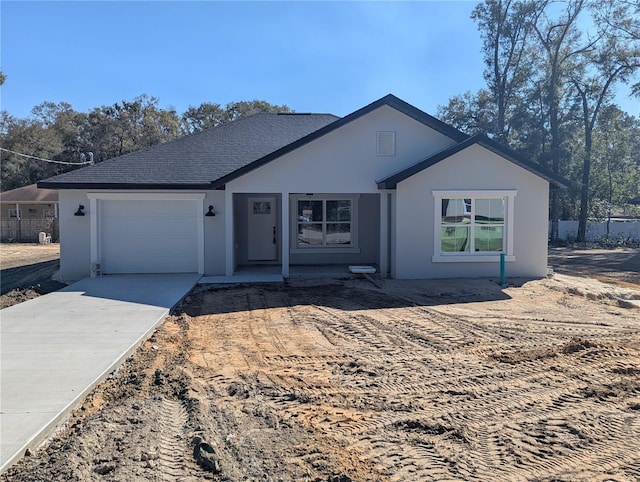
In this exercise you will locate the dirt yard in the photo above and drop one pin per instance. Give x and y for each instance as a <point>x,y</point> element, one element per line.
<point>26,271</point>
<point>618,266</point>
<point>339,382</point>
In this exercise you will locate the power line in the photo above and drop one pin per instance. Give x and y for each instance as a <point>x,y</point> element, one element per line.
<point>46,160</point>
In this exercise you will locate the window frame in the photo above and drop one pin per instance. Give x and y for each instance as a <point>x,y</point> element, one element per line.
<point>440,256</point>
<point>296,248</point>
<point>15,213</point>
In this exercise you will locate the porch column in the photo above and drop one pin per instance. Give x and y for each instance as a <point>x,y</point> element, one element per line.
<point>18,213</point>
<point>55,210</point>
<point>199,207</point>
<point>230,250</point>
<point>93,226</point>
<point>384,234</point>
<point>284,235</point>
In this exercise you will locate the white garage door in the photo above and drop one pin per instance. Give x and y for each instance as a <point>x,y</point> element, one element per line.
<point>145,236</point>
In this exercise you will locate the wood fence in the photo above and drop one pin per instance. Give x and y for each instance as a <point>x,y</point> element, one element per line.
<point>27,230</point>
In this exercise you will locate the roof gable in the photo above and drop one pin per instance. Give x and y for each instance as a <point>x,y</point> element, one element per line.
<point>392,181</point>
<point>388,100</point>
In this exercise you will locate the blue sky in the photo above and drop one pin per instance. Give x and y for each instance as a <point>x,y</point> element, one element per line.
<point>312,56</point>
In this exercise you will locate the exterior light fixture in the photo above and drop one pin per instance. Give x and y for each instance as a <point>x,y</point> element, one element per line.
<point>210,211</point>
<point>80,211</point>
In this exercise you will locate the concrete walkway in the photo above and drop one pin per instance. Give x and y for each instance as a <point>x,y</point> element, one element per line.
<point>56,348</point>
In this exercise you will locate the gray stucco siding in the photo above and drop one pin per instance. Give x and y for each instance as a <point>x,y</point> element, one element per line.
<point>475,168</point>
<point>75,233</point>
<point>346,160</point>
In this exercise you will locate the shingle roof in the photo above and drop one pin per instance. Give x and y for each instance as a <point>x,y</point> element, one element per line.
<point>392,181</point>
<point>195,161</point>
<point>211,158</point>
<point>29,194</point>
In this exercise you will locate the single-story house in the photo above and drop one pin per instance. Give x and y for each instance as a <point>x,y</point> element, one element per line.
<point>29,202</point>
<point>387,185</point>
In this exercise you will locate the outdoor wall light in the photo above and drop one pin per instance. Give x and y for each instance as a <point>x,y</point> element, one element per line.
<point>210,211</point>
<point>80,211</point>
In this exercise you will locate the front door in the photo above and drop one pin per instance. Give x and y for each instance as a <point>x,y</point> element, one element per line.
<point>262,229</point>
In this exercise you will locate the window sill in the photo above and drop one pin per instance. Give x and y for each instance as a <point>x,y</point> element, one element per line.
<point>321,250</point>
<point>470,258</point>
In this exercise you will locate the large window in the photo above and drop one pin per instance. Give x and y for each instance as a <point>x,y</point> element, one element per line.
<point>325,222</point>
<point>475,225</point>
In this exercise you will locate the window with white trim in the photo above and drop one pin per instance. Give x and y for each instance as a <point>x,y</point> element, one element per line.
<point>15,213</point>
<point>324,222</point>
<point>473,225</point>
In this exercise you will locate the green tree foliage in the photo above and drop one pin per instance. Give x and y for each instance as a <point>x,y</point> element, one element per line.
<point>607,62</point>
<point>204,116</point>
<point>208,115</point>
<point>551,70</point>
<point>2,77</point>
<point>58,132</point>
<point>471,113</point>
<point>507,26</point>
<point>128,126</point>
<point>616,164</point>
<point>236,110</point>
<point>32,137</point>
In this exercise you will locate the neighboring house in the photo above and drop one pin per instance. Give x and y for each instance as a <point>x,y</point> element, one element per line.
<point>29,202</point>
<point>635,200</point>
<point>387,185</point>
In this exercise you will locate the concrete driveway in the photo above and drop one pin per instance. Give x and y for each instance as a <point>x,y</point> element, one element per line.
<point>56,348</point>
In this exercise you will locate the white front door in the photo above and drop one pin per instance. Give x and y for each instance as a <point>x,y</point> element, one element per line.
<point>262,229</point>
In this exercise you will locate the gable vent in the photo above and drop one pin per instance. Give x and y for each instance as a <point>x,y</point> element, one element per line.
<point>386,143</point>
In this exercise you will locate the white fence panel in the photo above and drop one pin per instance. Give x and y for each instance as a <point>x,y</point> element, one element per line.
<point>568,230</point>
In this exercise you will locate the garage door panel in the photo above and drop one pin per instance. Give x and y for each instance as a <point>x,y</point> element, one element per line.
<point>126,208</point>
<point>173,226</point>
<point>132,227</point>
<point>145,208</point>
<point>172,208</point>
<point>119,246</point>
<point>150,264</point>
<point>148,237</point>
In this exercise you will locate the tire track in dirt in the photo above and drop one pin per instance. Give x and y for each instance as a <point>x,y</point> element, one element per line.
<point>409,386</point>
<point>375,334</point>
<point>411,458</point>
<point>171,445</point>
<point>615,447</point>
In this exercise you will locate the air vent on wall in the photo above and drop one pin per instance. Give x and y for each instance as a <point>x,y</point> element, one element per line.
<point>386,143</point>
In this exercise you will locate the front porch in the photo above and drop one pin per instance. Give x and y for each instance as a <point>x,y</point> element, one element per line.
<point>274,236</point>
